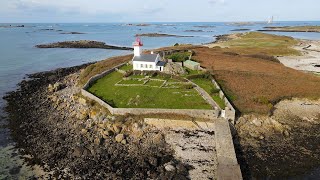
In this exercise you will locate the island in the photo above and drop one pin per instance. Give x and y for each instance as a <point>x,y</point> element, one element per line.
<point>159,35</point>
<point>12,26</point>
<point>242,29</point>
<point>192,30</point>
<point>292,29</point>
<point>65,117</point>
<point>82,44</point>
<point>205,26</point>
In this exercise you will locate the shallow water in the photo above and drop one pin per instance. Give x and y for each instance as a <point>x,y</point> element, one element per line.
<point>18,57</point>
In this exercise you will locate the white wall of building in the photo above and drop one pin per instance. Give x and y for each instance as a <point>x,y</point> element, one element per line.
<point>137,50</point>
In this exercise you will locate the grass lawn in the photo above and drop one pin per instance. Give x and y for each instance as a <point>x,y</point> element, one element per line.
<point>192,72</point>
<point>126,67</point>
<point>145,96</point>
<point>209,87</point>
<point>131,81</point>
<point>154,83</point>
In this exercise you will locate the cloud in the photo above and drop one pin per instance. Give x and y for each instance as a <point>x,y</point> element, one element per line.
<point>214,2</point>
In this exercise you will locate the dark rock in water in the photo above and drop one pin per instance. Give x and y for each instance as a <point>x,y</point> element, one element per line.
<point>240,30</point>
<point>82,44</point>
<point>48,29</point>
<point>72,33</point>
<point>15,170</point>
<point>193,30</point>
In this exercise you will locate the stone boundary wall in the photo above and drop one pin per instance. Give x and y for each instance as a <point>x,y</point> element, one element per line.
<point>204,114</point>
<point>230,112</point>
<point>228,167</point>
<point>99,76</point>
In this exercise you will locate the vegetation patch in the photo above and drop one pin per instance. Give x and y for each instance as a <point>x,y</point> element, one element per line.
<point>179,56</point>
<point>127,67</point>
<point>209,87</point>
<point>260,43</point>
<point>146,96</point>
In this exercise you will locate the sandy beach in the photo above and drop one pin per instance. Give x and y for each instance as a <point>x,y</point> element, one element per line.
<point>310,59</point>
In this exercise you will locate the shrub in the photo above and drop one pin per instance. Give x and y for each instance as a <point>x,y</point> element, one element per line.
<point>179,56</point>
<point>187,86</point>
<point>204,75</point>
<point>231,53</point>
<point>215,91</point>
<point>128,73</point>
<point>264,57</point>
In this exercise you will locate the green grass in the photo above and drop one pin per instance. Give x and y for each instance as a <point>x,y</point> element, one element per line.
<point>127,67</point>
<point>192,72</point>
<point>209,87</point>
<point>219,101</point>
<point>131,81</point>
<point>145,96</point>
<point>154,83</point>
<point>137,76</point>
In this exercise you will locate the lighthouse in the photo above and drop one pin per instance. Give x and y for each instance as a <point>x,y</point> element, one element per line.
<point>137,45</point>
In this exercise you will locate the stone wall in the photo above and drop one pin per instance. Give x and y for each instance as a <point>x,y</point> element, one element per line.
<point>230,112</point>
<point>204,114</point>
<point>228,167</point>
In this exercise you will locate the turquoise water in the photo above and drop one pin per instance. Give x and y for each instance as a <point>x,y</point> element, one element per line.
<point>18,56</point>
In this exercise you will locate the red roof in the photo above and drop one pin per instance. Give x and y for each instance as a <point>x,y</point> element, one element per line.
<point>138,42</point>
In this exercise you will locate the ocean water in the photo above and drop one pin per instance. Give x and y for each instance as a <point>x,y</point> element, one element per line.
<point>19,57</point>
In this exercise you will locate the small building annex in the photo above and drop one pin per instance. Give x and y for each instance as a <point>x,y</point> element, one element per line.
<point>146,62</point>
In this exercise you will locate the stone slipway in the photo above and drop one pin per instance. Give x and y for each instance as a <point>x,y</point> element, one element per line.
<point>228,167</point>
<point>219,159</point>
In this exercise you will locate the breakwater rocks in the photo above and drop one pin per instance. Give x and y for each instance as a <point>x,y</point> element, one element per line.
<point>159,35</point>
<point>82,44</point>
<point>76,139</point>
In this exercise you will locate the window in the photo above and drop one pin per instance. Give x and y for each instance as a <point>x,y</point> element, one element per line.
<point>150,66</point>
<point>141,65</point>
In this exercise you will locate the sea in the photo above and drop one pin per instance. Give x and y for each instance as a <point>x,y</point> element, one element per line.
<point>19,56</point>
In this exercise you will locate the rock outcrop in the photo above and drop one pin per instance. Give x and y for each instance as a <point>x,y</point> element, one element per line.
<point>82,44</point>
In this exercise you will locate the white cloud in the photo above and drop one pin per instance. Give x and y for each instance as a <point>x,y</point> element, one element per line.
<point>213,2</point>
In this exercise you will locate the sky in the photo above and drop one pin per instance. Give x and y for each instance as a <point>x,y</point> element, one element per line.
<point>54,11</point>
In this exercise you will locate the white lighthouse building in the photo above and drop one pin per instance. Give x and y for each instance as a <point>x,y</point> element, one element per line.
<point>145,62</point>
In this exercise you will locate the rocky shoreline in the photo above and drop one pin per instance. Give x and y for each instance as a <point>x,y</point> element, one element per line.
<point>73,138</point>
<point>82,44</point>
<point>315,29</point>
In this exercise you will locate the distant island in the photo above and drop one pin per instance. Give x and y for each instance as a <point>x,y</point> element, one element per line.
<point>82,44</point>
<point>242,29</point>
<point>192,30</point>
<point>292,29</point>
<point>12,26</point>
<point>73,33</point>
<point>159,35</point>
<point>205,26</point>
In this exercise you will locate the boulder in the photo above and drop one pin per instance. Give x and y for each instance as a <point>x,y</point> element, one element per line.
<point>119,138</point>
<point>82,101</point>
<point>257,122</point>
<point>57,86</point>
<point>169,167</point>
<point>50,88</point>
<point>116,128</point>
